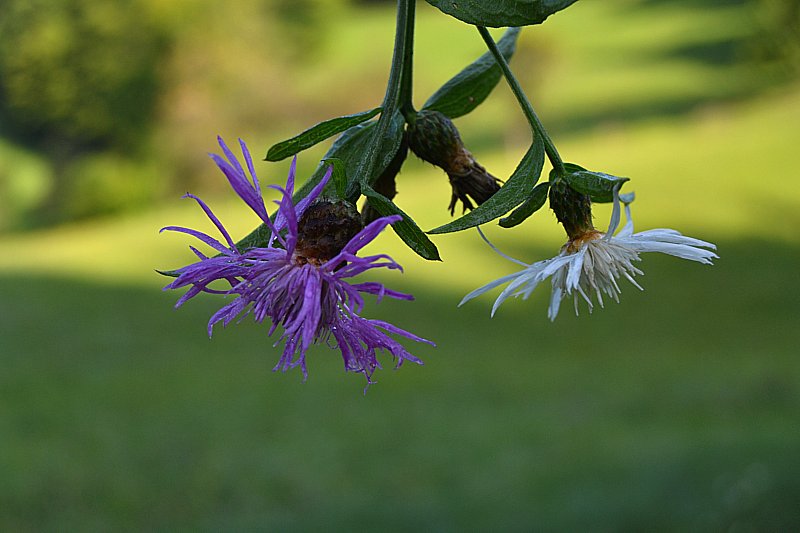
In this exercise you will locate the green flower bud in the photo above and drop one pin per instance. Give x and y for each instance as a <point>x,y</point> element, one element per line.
<point>434,138</point>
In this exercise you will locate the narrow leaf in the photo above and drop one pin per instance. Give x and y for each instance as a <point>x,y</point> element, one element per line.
<point>387,148</point>
<point>599,186</point>
<point>470,87</point>
<point>407,229</point>
<point>169,273</point>
<point>535,202</point>
<point>501,13</point>
<point>518,187</point>
<point>318,133</point>
<point>339,175</point>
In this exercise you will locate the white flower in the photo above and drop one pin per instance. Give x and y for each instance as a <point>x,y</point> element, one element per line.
<point>593,263</point>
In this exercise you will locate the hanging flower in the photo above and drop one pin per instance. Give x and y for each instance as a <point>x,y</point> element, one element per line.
<point>591,263</point>
<point>299,280</point>
<point>433,137</point>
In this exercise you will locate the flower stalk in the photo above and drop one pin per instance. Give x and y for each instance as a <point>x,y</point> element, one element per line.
<point>527,108</point>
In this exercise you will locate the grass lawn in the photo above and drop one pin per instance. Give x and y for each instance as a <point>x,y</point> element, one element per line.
<point>678,409</point>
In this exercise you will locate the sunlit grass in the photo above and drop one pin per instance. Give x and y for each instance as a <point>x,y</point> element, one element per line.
<point>718,175</point>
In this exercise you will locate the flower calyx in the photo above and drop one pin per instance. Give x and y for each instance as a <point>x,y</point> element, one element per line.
<point>572,209</point>
<point>324,229</point>
<point>433,137</point>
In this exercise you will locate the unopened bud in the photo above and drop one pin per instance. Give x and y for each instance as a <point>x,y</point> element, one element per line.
<point>324,229</point>
<point>572,209</point>
<point>434,138</point>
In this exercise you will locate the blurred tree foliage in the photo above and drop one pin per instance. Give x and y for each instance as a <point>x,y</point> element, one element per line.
<point>116,98</point>
<point>78,72</point>
<point>777,40</point>
<point>78,77</point>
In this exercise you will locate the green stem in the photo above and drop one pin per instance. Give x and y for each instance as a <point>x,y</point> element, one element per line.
<point>393,86</point>
<point>406,82</point>
<point>527,109</point>
<point>391,101</point>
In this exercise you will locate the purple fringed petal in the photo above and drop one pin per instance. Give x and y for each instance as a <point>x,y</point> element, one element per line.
<point>303,204</point>
<point>213,219</point>
<point>250,167</point>
<point>242,188</point>
<point>368,234</point>
<point>356,265</point>
<point>359,339</point>
<point>378,289</point>
<point>208,239</point>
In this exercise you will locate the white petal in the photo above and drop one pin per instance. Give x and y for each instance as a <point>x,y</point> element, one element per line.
<point>555,303</point>
<point>668,235</point>
<point>575,269</point>
<point>493,247</point>
<point>678,250</point>
<point>489,286</point>
<point>614,222</point>
<point>627,230</point>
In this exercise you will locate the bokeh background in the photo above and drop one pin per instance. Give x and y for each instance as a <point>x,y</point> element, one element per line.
<point>678,409</point>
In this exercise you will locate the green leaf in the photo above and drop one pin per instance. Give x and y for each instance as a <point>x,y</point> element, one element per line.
<point>407,229</point>
<point>534,202</point>
<point>169,273</point>
<point>519,186</point>
<point>339,175</point>
<point>387,148</point>
<point>501,13</point>
<point>470,87</point>
<point>599,186</point>
<point>317,134</point>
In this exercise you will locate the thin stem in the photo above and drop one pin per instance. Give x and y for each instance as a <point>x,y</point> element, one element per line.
<point>527,109</point>
<point>406,82</point>
<point>391,100</point>
<point>393,86</point>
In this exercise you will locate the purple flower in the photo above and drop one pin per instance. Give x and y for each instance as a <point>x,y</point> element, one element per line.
<point>306,295</point>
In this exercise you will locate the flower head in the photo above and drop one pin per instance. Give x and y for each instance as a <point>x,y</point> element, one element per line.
<point>590,264</point>
<point>299,280</point>
<point>434,138</point>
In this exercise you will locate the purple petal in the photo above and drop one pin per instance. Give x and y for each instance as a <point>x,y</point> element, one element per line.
<point>368,234</point>
<point>214,219</point>
<point>315,192</point>
<point>209,240</point>
<point>372,287</point>
<point>242,187</point>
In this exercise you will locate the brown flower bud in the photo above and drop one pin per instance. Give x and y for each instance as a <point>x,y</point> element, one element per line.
<point>434,138</point>
<point>324,229</point>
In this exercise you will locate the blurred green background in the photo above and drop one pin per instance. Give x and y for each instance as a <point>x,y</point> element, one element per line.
<point>678,409</point>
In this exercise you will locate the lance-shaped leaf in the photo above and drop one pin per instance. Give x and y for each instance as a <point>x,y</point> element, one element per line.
<point>407,229</point>
<point>338,176</point>
<point>534,202</point>
<point>317,134</point>
<point>501,13</point>
<point>387,148</point>
<point>597,185</point>
<point>470,87</point>
<point>518,187</point>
